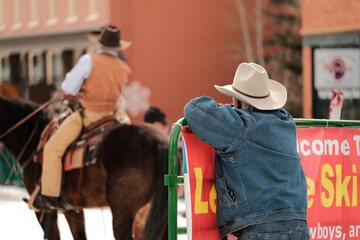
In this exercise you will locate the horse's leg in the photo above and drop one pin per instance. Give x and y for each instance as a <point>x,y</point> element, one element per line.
<point>122,222</point>
<point>126,193</point>
<point>140,221</point>
<point>48,222</point>
<point>76,223</point>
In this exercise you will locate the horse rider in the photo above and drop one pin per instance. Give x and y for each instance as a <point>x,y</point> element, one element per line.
<point>97,80</point>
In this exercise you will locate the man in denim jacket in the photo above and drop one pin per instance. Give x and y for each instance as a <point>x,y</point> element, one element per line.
<point>260,183</point>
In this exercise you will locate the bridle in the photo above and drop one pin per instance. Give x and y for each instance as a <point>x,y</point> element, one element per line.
<point>57,98</point>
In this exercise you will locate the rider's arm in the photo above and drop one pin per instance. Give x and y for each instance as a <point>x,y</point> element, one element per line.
<point>75,78</point>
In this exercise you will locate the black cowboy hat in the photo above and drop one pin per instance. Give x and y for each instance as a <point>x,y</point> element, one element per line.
<point>109,37</point>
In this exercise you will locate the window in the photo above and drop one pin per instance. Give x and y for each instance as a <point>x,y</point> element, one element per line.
<point>35,68</point>
<point>5,73</point>
<point>34,20</point>
<point>93,10</point>
<point>38,71</point>
<point>16,14</point>
<point>56,70</point>
<point>71,11</point>
<point>52,12</point>
<point>2,15</point>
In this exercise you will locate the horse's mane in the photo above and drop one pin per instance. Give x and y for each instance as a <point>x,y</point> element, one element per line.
<point>18,108</point>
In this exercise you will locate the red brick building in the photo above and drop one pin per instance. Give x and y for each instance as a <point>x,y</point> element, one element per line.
<point>331,56</point>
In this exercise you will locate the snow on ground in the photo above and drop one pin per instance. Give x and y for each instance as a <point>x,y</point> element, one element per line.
<point>18,222</point>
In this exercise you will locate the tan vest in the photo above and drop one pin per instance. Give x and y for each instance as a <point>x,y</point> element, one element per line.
<point>102,89</point>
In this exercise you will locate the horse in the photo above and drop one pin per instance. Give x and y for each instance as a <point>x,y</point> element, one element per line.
<point>129,173</point>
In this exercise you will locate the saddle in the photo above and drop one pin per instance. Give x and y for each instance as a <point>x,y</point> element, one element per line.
<point>85,150</point>
<point>81,153</point>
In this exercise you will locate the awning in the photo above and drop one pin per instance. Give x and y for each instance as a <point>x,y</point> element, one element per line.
<point>21,45</point>
<point>348,39</point>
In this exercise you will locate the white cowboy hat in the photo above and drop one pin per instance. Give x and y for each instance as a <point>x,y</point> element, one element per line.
<point>252,85</point>
<point>108,37</point>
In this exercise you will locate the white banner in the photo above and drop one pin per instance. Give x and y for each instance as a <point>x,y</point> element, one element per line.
<point>336,68</point>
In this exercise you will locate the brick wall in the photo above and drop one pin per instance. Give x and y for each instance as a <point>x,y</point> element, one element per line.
<point>329,16</point>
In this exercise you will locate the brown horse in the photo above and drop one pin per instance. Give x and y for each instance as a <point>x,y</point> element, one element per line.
<point>130,171</point>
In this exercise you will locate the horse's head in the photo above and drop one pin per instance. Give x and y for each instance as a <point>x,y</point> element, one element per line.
<point>14,133</point>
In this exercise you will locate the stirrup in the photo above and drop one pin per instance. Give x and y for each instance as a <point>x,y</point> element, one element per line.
<point>65,205</point>
<point>33,195</point>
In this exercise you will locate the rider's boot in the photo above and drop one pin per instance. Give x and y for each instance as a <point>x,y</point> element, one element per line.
<point>46,203</point>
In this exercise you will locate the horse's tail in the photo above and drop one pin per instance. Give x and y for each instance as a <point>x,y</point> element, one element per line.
<point>156,226</point>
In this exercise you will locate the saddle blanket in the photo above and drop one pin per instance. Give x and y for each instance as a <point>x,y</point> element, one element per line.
<point>84,151</point>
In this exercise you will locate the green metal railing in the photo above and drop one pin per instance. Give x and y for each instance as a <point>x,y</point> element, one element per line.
<point>302,122</point>
<point>172,179</point>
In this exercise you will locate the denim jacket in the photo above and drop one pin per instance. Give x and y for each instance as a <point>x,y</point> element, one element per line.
<point>258,174</point>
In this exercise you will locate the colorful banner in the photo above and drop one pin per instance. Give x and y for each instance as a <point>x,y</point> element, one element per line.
<point>200,174</point>
<point>330,158</point>
<point>200,194</point>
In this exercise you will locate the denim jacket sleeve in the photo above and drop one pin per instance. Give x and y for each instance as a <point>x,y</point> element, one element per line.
<point>222,127</point>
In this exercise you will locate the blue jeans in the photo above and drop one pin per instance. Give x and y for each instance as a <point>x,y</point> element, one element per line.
<point>282,230</point>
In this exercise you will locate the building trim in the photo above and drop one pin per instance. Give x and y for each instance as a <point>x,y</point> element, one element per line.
<point>329,40</point>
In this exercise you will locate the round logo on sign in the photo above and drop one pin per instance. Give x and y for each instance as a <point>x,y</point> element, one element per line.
<point>338,66</point>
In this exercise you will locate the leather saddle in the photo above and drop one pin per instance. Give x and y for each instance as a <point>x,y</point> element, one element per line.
<point>85,150</point>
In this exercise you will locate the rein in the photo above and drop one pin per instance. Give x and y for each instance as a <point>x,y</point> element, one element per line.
<point>13,167</point>
<point>41,107</point>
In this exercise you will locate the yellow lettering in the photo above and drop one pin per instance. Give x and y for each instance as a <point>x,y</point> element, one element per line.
<point>354,196</point>
<point>212,198</point>
<point>341,187</point>
<point>327,184</point>
<point>310,191</point>
<point>199,206</point>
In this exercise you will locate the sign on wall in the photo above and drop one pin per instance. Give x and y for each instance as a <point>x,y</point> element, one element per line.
<point>337,68</point>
